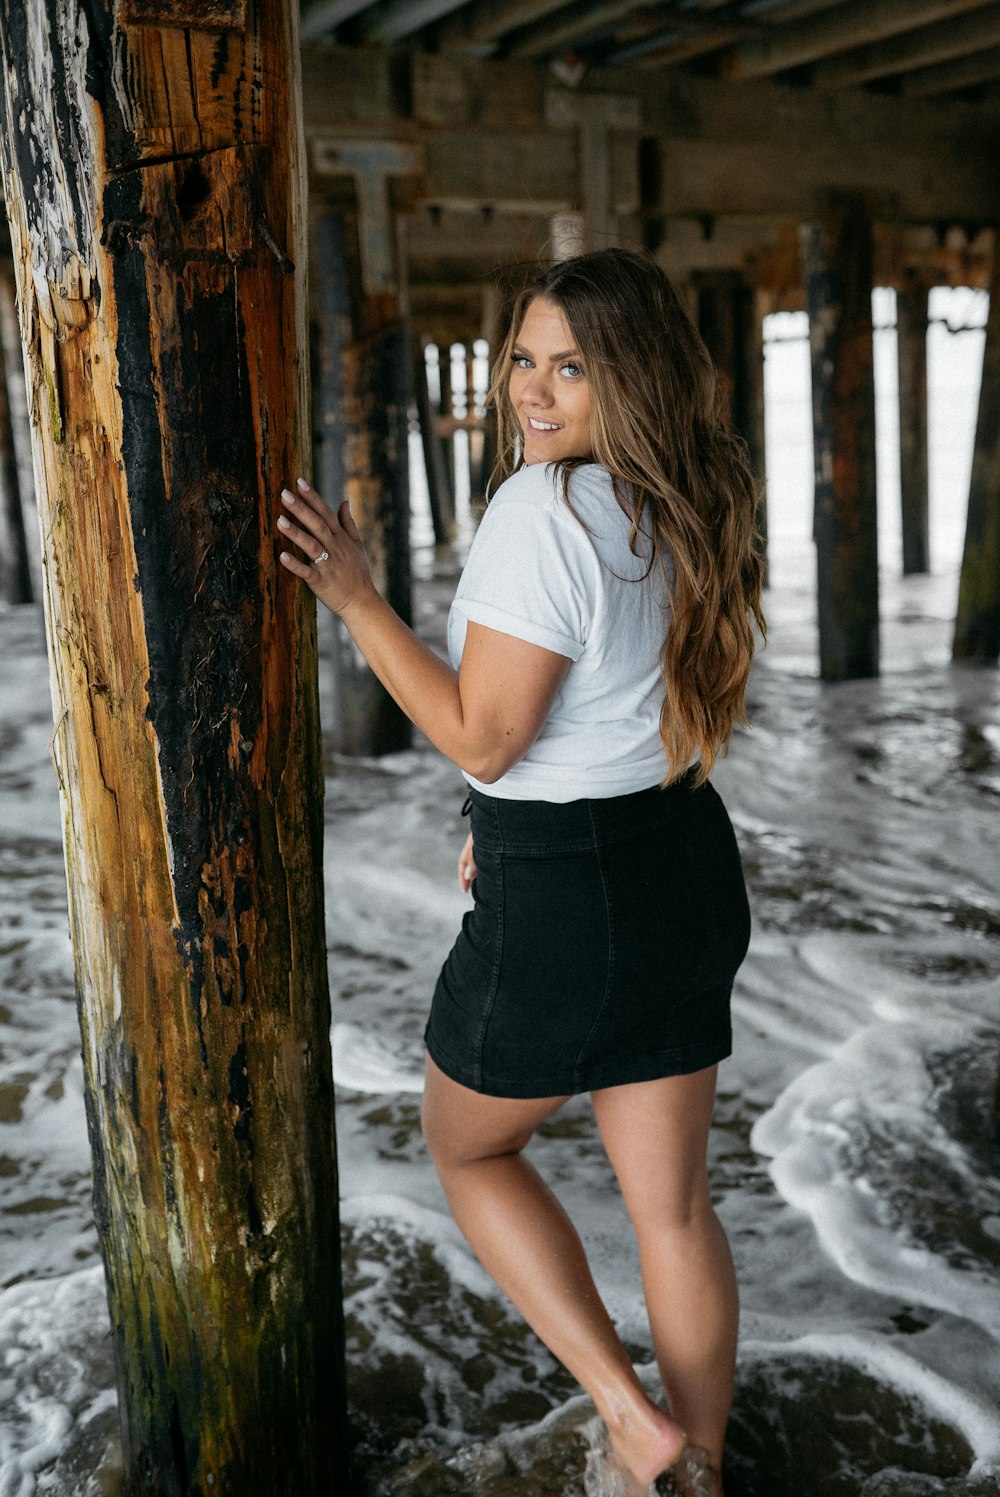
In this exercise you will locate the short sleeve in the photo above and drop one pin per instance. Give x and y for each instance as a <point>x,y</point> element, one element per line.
<point>530,575</point>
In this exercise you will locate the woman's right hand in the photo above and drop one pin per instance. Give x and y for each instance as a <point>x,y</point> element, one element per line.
<point>467,869</point>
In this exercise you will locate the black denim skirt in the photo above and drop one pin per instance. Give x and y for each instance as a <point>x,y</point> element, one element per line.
<point>601,947</point>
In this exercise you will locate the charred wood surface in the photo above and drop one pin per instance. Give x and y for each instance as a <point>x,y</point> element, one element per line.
<point>911,336</point>
<point>837,256</point>
<point>361,431</point>
<point>152,177</point>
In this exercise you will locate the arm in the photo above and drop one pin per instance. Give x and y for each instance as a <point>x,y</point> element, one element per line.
<point>484,717</point>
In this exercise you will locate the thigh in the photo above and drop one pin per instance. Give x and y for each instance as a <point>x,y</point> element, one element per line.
<point>656,1137</point>
<point>461,1125</point>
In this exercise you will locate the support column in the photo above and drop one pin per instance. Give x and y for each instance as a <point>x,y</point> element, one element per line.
<point>731,323</point>
<point>977,626</point>
<point>911,336</point>
<point>15,572</point>
<point>837,261</point>
<point>595,116</point>
<point>440,496</point>
<point>373,422</point>
<point>156,201</point>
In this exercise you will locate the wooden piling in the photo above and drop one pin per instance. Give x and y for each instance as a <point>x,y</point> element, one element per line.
<point>376,399</point>
<point>440,498</point>
<point>837,261</point>
<point>911,336</point>
<point>732,325</point>
<point>15,570</point>
<point>361,426</point>
<point>977,625</point>
<point>156,214</point>
<point>446,408</point>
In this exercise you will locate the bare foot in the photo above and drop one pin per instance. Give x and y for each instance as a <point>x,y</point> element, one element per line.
<point>644,1443</point>
<point>695,1476</point>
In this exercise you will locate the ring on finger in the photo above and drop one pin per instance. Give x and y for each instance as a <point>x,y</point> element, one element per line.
<point>323,556</point>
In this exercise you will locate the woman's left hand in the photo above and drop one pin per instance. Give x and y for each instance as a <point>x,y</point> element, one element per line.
<point>335,565</point>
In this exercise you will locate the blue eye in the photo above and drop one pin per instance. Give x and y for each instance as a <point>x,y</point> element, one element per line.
<point>573,370</point>
<point>521,360</point>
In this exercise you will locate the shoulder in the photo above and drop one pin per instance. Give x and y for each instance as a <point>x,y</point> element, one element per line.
<point>540,487</point>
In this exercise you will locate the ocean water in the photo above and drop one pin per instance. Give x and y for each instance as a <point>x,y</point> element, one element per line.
<point>854,1155</point>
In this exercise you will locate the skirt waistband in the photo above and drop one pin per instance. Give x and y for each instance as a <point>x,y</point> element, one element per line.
<point>539,827</point>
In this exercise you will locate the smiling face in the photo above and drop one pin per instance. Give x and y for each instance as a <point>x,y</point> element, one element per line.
<point>548,387</point>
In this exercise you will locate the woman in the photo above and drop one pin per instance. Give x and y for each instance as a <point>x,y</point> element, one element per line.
<point>601,638</point>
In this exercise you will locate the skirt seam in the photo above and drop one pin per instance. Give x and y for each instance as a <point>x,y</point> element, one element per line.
<point>611,959</point>
<point>497,962</point>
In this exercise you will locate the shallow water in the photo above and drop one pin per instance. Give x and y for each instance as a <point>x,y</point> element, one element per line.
<point>854,1156</point>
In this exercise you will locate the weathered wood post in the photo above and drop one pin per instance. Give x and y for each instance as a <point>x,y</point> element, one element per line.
<point>977,625</point>
<point>604,189</point>
<point>440,496</point>
<point>911,337</point>
<point>375,390</point>
<point>731,322</point>
<point>15,570</point>
<point>446,410</point>
<point>152,177</point>
<point>837,262</point>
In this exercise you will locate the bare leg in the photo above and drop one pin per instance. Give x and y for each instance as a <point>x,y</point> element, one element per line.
<point>525,1240</point>
<point>656,1135</point>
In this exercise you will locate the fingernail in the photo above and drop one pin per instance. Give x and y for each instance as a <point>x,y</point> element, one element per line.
<point>288,496</point>
<point>301,483</point>
<point>285,524</point>
<point>285,556</point>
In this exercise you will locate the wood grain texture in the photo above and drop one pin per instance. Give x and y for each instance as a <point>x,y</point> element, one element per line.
<point>156,213</point>
<point>837,258</point>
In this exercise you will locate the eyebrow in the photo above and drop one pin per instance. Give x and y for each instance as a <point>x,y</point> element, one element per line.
<point>567,353</point>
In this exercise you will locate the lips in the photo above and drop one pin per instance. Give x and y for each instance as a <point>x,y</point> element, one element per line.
<point>543,425</point>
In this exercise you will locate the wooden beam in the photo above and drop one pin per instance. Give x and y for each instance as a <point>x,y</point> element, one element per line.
<point>836,30</point>
<point>762,149</point>
<point>596,117</point>
<point>323,17</point>
<point>667,50</point>
<point>911,339</point>
<point>977,625</point>
<point>547,36</point>
<point>781,179</point>
<point>921,48</point>
<point>951,77</point>
<point>482,24</point>
<point>398,19</point>
<point>837,257</point>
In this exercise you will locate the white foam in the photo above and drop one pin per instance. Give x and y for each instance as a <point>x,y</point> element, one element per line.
<point>367,1062</point>
<point>48,1331</point>
<point>821,1133</point>
<point>976,1418</point>
<point>432,1228</point>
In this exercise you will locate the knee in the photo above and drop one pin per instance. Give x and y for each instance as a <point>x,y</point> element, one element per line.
<point>683,1208</point>
<point>453,1147</point>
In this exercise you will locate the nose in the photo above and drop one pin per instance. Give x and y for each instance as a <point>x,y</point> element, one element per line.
<point>535,390</point>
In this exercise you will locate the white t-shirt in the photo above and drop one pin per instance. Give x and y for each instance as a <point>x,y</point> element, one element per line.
<point>535,572</point>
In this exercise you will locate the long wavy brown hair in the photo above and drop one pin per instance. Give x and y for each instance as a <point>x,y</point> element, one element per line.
<point>680,473</point>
